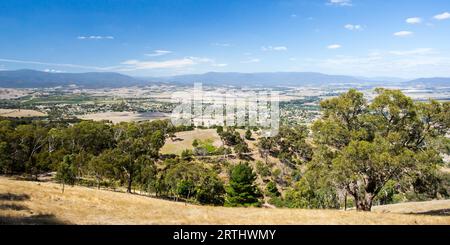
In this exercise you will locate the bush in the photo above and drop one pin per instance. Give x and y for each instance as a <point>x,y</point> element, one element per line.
<point>262,169</point>
<point>248,134</point>
<point>272,189</point>
<point>241,190</point>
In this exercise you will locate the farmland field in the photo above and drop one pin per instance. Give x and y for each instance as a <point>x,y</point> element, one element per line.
<point>20,113</point>
<point>125,116</point>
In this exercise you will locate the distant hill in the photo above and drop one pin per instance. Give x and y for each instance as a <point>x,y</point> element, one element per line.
<point>40,79</point>
<point>263,79</point>
<point>430,82</point>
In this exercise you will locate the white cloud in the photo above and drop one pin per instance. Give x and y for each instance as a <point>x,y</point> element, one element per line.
<point>220,65</point>
<point>340,2</point>
<point>414,20</point>
<point>86,67</point>
<point>221,44</point>
<point>140,65</point>
<point>280,48</point>
<point>418,51</point>
<point>94,37</point>
<point>254,60</point>
<point>274,48</point>
<point>293,16</point>
<point>292,59</point>
<point>352,27</point>
<point>421,62</point>
<point>159,52</point>
<point>131,65</point>
<point>53,71</point>
<point>201,59</point>
<point>403,33</point>
<point>443,16</point>
<point>334,46</point>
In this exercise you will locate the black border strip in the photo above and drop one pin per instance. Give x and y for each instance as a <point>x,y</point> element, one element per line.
<point>163,233</point>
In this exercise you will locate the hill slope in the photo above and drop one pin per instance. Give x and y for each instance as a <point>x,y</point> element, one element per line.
<point>40,79</point>
<point>24,202</point>
<point>430,82</point>
<point>263,79</point>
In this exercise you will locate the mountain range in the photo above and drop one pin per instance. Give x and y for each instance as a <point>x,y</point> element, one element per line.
<point>39,79</point>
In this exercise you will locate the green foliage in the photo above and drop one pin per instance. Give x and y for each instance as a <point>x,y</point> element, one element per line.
<point>289,145</point>
<point>147,176</point>
<point>187,154</point>
<point>314,190</point>
<point>31,138</point>
<point>66,174</point>
<point>389,194</point>
<point>241,149</point>
<point>262,169</point>
<point>185,188</point>
<point>272,189</point>
<point>219,130</point>
<point>210,189</point>
<point>369,145</point>
<point>231,137</point>
<point>248,134</point>
<point>241,190</point>
<point>193,180</point>
<point>204,148</point>
<point>276,173</point>
<point>101,167</point>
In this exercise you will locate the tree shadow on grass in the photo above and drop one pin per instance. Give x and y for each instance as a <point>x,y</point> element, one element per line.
<point>13,197</point>
<point>16,207</point>
<point>38,219</point>
<point>438,212</point>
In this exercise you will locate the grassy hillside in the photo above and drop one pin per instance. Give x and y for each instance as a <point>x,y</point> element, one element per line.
<point>24,202</point>
<point>184,140</point>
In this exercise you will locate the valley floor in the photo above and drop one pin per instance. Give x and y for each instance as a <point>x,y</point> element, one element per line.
<point>27,202</point>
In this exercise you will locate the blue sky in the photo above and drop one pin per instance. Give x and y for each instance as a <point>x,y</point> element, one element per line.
<point>402,38</point>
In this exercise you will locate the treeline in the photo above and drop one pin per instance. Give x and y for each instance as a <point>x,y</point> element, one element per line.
<point>381,152</point>
<point>39,147</point>
<point>357,154</point>
<point>102,154</point>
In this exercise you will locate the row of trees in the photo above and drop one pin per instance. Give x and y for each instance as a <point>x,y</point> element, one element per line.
<point>123,155</point>
<point>89,148</point>
<point>367,152</point>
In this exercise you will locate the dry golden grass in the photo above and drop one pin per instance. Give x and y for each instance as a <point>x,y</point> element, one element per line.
<point>80,205</point>
<point>21,113</point>
<point>125,116</point>
<point>184,140</point>
<point>430,207</point>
